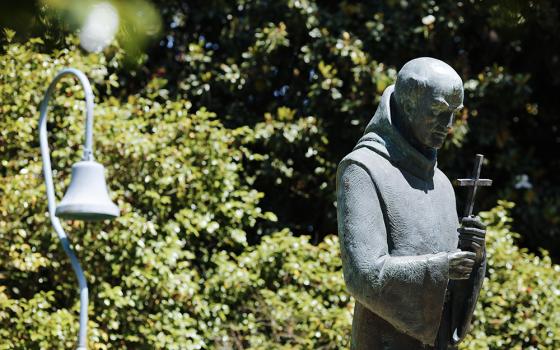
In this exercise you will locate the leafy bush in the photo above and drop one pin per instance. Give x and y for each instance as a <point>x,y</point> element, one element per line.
<point>177,176</point>
<point>174,270</point>
<point>519,305</point>
<point>177,270</point>
<point>330,61</point>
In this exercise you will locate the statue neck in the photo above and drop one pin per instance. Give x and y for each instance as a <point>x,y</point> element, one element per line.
<point>400,122</point>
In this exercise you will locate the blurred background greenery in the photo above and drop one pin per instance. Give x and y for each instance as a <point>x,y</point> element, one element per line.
<point>221,124</point>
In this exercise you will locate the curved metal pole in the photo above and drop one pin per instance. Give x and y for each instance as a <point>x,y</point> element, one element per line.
<point>88,155</point>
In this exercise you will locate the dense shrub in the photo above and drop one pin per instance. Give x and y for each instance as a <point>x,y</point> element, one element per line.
<point>176,175</point>
<point>519,305</point>
<point>329,62</point>
<point>176,270</point>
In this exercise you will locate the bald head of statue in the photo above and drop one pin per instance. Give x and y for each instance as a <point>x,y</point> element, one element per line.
<point>428,92</point>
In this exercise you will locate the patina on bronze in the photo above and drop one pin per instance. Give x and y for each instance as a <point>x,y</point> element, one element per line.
<point>397,221</point>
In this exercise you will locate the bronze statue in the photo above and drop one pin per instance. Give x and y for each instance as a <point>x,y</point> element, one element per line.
<point>397,220</point>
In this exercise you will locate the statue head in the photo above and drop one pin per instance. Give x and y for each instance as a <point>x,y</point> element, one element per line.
<point>427,94</point>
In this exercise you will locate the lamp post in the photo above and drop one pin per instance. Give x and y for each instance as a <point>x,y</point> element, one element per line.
<point>87,197</point>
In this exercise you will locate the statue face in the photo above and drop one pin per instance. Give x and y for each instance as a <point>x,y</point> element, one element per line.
<point>434,115</point>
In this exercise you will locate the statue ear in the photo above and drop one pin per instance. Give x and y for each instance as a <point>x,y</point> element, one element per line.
<point>409,93</point>
<point>416,88</point>
<point>408,107</point>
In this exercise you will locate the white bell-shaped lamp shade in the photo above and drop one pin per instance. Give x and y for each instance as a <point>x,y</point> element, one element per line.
<point>87,197</point>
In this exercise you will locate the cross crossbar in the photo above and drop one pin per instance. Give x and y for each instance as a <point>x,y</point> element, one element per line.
<point>474,183</point>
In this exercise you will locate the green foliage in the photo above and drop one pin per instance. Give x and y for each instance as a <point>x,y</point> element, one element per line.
<point>519,305</point>
<point>177,176</point>
<point>174,271</point>
<point>282,294</point>
<point>330,61</point>
<point>188,264</point>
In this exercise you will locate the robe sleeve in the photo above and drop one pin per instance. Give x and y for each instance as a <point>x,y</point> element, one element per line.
<point>406,291</point>
<point>464,295</point>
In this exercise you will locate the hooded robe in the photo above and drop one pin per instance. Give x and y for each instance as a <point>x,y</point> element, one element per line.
<point>397,221</point>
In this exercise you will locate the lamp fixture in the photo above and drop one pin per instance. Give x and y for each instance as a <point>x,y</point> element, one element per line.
<point>87,197</point>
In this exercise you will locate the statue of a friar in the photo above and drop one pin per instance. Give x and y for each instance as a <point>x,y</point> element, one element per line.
<point>397,220</point>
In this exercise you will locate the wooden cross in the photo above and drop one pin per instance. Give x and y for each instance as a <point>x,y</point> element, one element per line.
<point>473,184</point>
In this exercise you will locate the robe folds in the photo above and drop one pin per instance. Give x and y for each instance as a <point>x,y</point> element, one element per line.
<point>397,221</point>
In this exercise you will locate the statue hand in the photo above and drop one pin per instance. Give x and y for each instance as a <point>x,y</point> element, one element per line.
<point>460,264</point>
<point>472,235</point>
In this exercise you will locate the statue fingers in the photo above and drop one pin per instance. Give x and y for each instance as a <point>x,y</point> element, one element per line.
<point>464,270</point>
<point>466,255</point>
<point>467,241</point>
<point>459,275</point>
<point>464,262</point>
<point>461,258</point>
<point>472,231</point>
<point>471,245</point>
<point>467,263</point>
<point>472,221</point>
<point>469,237</point>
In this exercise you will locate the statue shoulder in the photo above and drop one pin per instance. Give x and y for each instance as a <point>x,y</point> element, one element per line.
<point>368,159</point>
